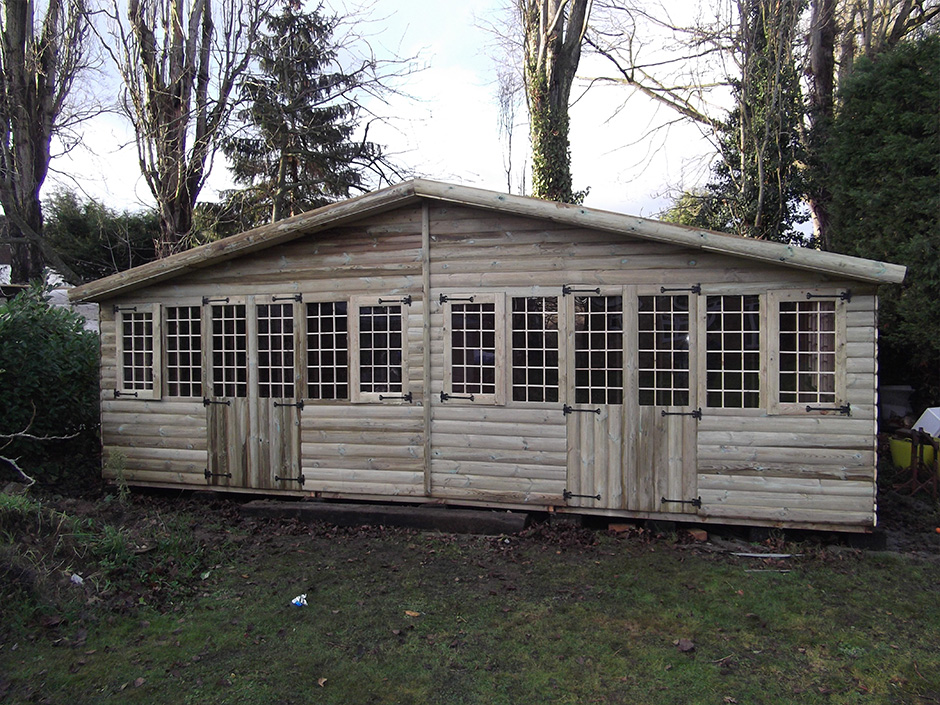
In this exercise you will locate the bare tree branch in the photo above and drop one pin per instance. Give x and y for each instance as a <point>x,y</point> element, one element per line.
<point>180,62</point>
<point>40,61</point>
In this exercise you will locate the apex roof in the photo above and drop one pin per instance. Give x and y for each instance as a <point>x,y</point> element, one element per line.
<point>417,190</point>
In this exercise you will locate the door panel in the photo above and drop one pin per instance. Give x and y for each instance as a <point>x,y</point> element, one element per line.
<point>228,442</point>
<point>253,413</point>
<point>276,406</point>
<point>595,457</point>
<point>665,426</point>
<point>631,434</point>
<point>665,461</point>
<point>227,408</point>
<point>279,445</point>
<point>595,418</point>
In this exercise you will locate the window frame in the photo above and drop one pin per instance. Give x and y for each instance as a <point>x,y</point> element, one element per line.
<point>305,347</point>
<point>156,351</point>
<point>560,350</point>
<point>165,351</point>
<point>702,351</point>
<point>693,349</point>
<point>356,395</point>
<point>627,312</point>
<point>775,298</point>
<point>498,397</point>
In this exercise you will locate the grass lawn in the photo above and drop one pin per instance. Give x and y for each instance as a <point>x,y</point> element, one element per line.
<point>187,602</point>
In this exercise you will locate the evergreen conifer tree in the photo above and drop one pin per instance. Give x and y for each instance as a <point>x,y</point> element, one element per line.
<point>296,150</point>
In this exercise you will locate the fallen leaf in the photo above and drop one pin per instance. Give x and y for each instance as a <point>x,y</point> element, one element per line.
<point>685,645</point>
<point>412,613</point>
<point>321,681</point>
<point>139,682</point>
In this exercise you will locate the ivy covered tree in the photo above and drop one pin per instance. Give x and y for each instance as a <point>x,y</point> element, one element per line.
<point>757,185</point>
<point>297,149</point>
<point>553,32</point>
<point>884,170</point>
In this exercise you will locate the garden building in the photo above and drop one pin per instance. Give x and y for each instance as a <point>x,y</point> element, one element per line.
<point>437,343</point>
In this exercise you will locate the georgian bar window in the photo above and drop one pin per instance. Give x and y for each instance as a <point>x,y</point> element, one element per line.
<point>275,350</point>
<point>535,340</point>
<point>807,372</point>
<point>138,368</point>
<point>663,350</point>
<point>380,349</point>
<point>229,350</point>
<point>598,361</point>
<point>183,351</point>
<point>327,350</point>
<point>473,348</point>
<point>732,351</point>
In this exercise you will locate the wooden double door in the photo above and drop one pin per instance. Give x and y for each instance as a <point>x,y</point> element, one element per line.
<point>253,391</point>
<point>631,427</point>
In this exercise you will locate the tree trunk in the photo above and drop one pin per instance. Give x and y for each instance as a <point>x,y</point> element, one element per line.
<point>27,262</point>
<point>552,44</point>
<point>179,73</point>
<point>38,64</point>
<point>820,71</point>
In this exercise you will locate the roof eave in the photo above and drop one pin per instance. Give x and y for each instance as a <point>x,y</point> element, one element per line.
<point>857,268</point>
<point>336,214</point>
<point>329,216</point>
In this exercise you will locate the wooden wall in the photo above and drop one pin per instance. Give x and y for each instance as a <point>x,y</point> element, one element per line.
<point>750,466</point>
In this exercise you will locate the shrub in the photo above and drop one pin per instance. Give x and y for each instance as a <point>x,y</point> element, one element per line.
<point>48,382</point>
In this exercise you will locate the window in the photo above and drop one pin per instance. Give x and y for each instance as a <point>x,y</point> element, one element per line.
<point>598,344</point>
<point>535,360</point>
<point>732,351</point>
<point>474,346</point>
<point>377,344</point>
<point>229,351</point>
<point>183,351</point>
<point>663,348</point>
<point>138,371</point>
<point>275,351</point>
<point>327,350</point>
<point>807,357</point>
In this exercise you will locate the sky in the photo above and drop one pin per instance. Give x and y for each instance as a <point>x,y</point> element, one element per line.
<point>447,128</point>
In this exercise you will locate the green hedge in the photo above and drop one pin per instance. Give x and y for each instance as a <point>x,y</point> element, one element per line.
<point>48,384</point>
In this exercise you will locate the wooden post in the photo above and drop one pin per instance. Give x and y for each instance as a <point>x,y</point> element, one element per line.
<point>426,339</point>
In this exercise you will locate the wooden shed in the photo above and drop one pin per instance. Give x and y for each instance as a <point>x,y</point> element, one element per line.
<point>437,343</point>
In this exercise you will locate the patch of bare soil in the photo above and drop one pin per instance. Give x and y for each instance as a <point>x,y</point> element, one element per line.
<point>911,524</point>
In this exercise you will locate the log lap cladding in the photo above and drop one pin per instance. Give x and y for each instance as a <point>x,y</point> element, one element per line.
<point>439,343</point>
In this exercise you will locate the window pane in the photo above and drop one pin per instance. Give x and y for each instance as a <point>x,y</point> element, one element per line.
<point>663,330</point>
<point>807,352</point>
<point>732,359</point>
<point>184,351</point>
<point>137,341</point>
<point>230,351</point>
<point>380,353</point>
<point>599,349</point>
<point>473,348</point>
<point>276,351</point>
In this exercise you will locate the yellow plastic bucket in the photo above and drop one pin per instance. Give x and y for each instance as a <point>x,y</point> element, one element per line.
<point>901,449</point>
